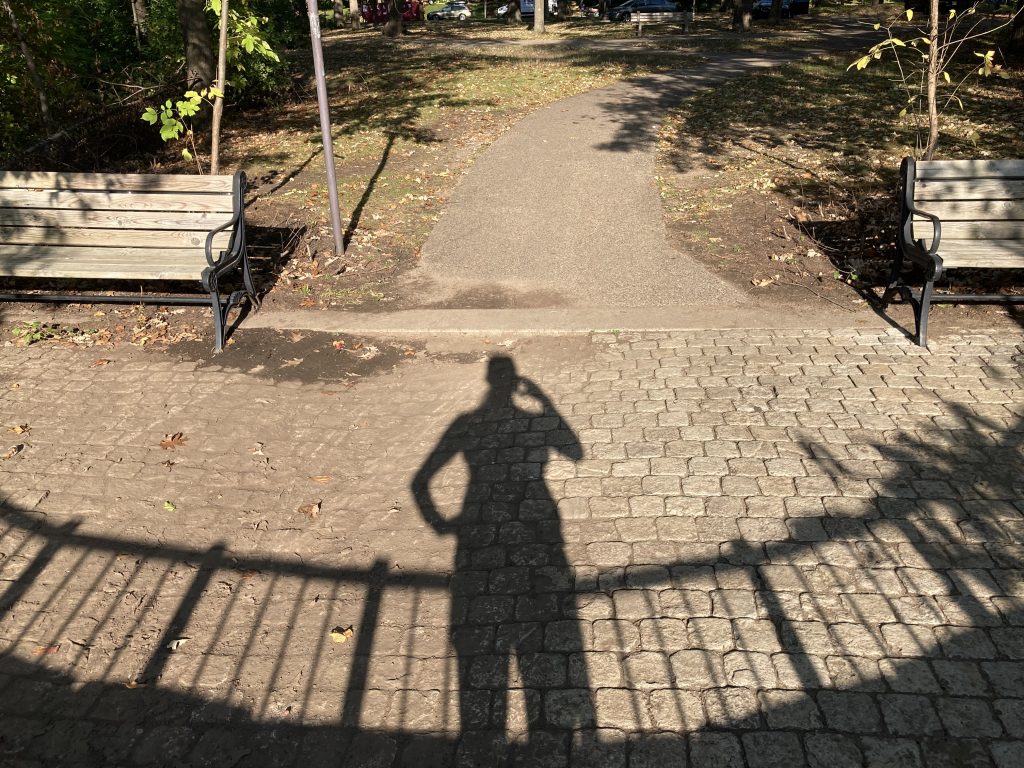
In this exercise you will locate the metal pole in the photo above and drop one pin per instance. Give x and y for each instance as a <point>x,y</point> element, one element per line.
<point>325,123</point>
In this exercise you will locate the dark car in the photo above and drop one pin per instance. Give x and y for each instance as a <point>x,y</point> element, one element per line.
<point>945,6</point>
<point>762,9</point>
<point>457,10</point>
<point>625,11</point>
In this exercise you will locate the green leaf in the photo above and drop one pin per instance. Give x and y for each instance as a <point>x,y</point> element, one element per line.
<point>945,76</point>
<point>169,506</point>
<point>878,26</point>
<point>186,154</point>
<point>216,93</point>
<point>910,14</point>
<point>903,112</point>
<point>150,116</point>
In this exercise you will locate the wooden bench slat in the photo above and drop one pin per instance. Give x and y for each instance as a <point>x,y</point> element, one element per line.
<point>108,263</point>
<point>975,210</point>
<point>142,239</point>
<point>997,254</point>
<point>646,16</point>
<point>42,217</point>
<point>108,182</point>
<point>116,201</point>
<point>971,230</point>
<point>969,169</point>
<point>978,189</point>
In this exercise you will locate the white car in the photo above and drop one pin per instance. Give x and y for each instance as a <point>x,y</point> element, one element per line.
<point>525,8</point>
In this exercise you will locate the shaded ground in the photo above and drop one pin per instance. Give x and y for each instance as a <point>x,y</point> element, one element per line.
<point>761,182</point>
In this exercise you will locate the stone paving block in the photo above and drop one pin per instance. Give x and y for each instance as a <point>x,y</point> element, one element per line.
<point>908,715</point>
<point>826,750</point>
<point>891,753</point>
<point>769,749</point>
<point>715,750</point>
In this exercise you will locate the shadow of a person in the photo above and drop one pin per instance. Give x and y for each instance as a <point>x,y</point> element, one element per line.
<point>512,594</point>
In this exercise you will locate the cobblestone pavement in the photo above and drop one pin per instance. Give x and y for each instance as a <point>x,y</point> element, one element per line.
<point>697,548</point>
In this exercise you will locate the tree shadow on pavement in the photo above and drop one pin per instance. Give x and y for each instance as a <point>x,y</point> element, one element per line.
<point>864,608</point>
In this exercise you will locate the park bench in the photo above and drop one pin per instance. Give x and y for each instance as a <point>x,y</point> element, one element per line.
<point>118,228</point>
<point>957,214</point>
<point>646,18</point>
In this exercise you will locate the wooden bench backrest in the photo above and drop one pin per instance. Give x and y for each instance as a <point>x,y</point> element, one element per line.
<point>647,17</point>
<point>98,221</point>
<point>981,205</point>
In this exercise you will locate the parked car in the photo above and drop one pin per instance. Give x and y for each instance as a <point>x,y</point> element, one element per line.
<point>763,9</point>
<point>454,10</point>
<point>526,8</point>
<point>625,11</point>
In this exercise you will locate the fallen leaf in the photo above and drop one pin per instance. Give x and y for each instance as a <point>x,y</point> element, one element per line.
<point>340,635</point>
<point>177,643</point>
<point>173,441</point>
<point>292,363</point>
<point>763,282</point>
<point>20,429</point>
<point>45,650</point>
<point>321,478</point>
<point>339,344</point>
<point>169,506</point>
<point>133,684</point>
<point>100,363</point>
<point>312,511</point>
<point>297,337</point>
<point>13,451</point>
<point>15,385</point>
<point>167,464</point>
<point>306,303</point>
<point>257,450</point>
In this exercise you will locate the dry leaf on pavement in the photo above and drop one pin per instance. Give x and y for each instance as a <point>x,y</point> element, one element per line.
<point>340,635</point>
<point>312,511</point>
<point>45,650</point>
<point>292,363</point>
<point>173,441</point>
<point>13,451</point>
<point>20,429</point>
<point>321,478</point>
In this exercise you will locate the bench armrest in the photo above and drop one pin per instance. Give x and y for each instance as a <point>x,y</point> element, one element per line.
<point>908,173</point>
<point>908,228</point>
<point>236,218</point>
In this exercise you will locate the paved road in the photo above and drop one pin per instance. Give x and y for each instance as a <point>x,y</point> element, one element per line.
<point>699,548</point>
<point>564,209</point>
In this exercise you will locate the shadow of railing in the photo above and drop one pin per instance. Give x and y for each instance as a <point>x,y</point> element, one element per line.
<point>872,610</point>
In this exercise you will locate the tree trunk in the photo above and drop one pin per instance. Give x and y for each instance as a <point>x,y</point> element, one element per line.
<point>393,27</point>
<point>30,66</point>
<point>218,102</point>
<point>741,16</point>
<point>514,15</point>
<point>934,65</point>
<point>140,13</point>
<point>776,12</point>
<point>355,16</point>
<point>540,8</point>
<point>195,29</point>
